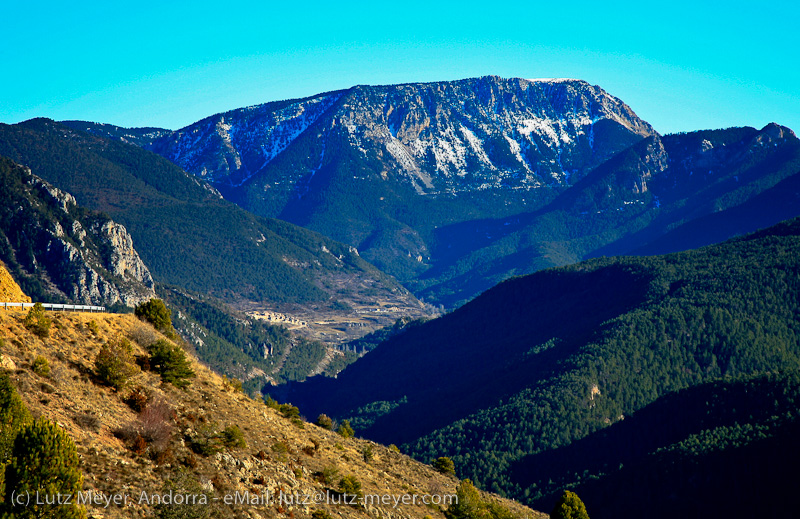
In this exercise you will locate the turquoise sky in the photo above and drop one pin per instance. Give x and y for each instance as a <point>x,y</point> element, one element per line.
<point>680,65</point>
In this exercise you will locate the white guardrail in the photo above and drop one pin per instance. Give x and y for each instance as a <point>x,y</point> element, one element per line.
<point>56,306</point>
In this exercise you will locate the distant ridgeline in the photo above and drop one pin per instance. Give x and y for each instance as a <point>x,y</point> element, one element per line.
<point>658,374</point>
<point>454,186</point>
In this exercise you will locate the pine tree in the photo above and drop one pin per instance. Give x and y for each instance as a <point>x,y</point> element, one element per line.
<point>345,429</point>
<point>569,506</point>
<point>169,361</point>
<point>44,460</point>
<point>324,421</point>
<point>156,313</point>
<point>13,417</point>
<point>469,503</point>
<point>445,465</point>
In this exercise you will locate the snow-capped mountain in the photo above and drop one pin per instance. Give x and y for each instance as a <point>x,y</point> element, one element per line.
<point>454,186</point>
<point>468,135</point>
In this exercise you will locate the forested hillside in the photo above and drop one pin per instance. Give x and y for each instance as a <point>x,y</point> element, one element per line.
<point>186,233</point>
<point>733,439</point>
<point>541,361</point>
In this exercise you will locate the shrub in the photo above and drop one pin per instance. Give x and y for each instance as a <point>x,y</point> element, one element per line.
<point>367,453</point>
<point>153,428</point>
<point>41,367</point>
<point>308,450</point>
<point>468,504</point>
<point>345,430</point>
<point>206,441</point>
<point>88,421</point>
<point>445,465</point>
<point>350,485</point>
<point>233,438</point>
<point>44,460</point>
<point>200,505</point>
<point>280,448</point>
<point>156,313</point>
<point>328,475</point>
<point>325,422</point>
<point>289,411</point>
<point>569,506</point>
<point>169,361</point>
<point>115,363</point>
<point>233,383</point>
<point>155,423</point>
<point>92,325</point>
<point>142,334</point>
<point>37,321</point>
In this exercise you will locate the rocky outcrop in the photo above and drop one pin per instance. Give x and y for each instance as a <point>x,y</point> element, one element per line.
<point>62,251</point>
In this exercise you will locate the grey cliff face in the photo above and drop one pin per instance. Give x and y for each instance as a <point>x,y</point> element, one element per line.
<point>469,135</point>
<point>103,265</point>
<point>77,255</point>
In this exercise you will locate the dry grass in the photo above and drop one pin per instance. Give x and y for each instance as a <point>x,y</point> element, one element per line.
<point>10,292</point>
<point>91,413</point>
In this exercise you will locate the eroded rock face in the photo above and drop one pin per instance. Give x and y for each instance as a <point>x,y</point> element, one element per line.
<point>66,251</point>
<point>455,136</point>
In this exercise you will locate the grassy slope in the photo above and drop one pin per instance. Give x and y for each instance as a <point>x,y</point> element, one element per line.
<point>90,413</point>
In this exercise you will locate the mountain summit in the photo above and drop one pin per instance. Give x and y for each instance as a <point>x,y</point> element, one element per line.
<point>452,187</point>
<point>442,137</point>
<point>382,167</point>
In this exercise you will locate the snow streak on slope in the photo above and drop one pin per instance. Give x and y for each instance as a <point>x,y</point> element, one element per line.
<point>446,137</point>
<point>485,133</point>
<point>238,144</point>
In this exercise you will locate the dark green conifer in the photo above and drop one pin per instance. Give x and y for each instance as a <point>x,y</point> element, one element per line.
<point>345,429</point>
<point>37,321</point>
<point>445,465</point>
<point>156,313</point>
<point>44,460</point>
<point>169,361</point>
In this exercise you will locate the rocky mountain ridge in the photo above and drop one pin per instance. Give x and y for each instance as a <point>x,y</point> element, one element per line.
<point>454,186</point>
<point>441,137</point>
<point>60,250</point>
